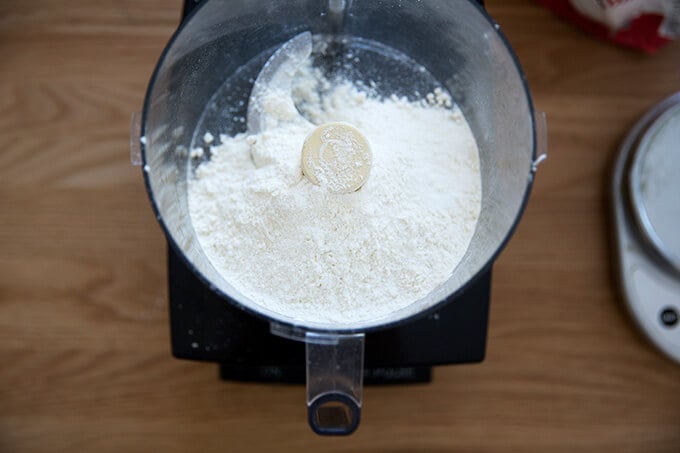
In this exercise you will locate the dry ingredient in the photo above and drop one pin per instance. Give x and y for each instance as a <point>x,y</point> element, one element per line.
<point>302,251</point>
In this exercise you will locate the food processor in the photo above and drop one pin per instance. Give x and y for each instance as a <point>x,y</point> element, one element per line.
<point>202,84</point>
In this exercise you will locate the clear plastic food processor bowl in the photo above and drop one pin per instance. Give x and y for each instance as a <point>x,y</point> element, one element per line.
<point>458,44</point>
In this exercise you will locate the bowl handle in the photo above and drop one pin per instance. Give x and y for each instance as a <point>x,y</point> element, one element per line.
<point>335,370</point>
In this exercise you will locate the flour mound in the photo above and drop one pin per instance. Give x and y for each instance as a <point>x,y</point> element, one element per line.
<point>316,256</point>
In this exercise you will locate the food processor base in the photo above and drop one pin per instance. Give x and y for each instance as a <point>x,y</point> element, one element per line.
<point>296,374</point>
<point>206,327</point>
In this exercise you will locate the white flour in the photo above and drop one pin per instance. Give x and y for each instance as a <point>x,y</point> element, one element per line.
<point>301,251</point>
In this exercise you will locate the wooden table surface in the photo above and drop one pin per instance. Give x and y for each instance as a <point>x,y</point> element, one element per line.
<point>85,360</point>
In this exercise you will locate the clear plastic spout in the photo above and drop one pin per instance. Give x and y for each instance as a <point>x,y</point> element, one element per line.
<point>335,378</point>
<point>335,370</point>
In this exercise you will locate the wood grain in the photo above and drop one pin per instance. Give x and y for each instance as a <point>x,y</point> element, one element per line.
<point>84,345</point>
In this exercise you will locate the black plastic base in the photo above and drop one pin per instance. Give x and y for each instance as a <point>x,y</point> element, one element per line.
<point>296,374</point>
<point>189,6</point>
<point>205,326</point>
